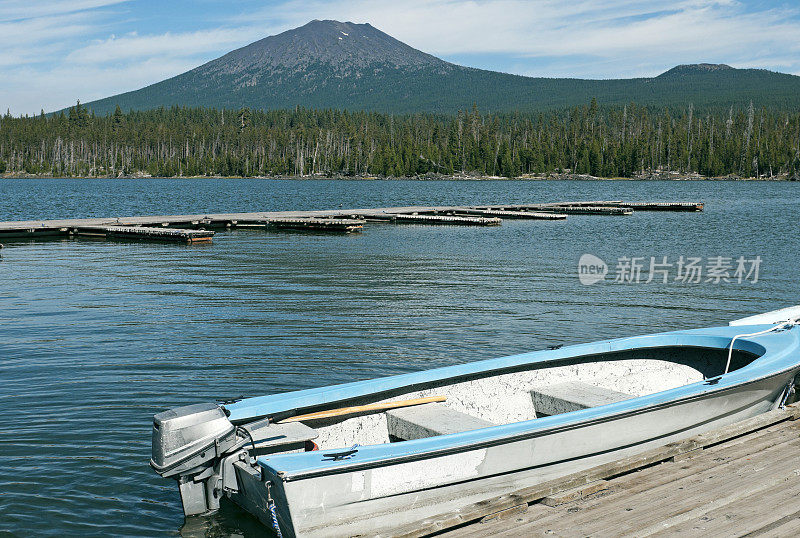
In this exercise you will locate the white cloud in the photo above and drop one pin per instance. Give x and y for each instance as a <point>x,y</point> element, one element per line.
<point>29,90</point>
<point>594,38</point>
<point>25,9</point>
<point>171,45</point>
<point>42,40</point>
<point>53,58</point>
<point>624,29</point>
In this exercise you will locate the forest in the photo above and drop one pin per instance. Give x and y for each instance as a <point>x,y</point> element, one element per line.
<point>616,141</point>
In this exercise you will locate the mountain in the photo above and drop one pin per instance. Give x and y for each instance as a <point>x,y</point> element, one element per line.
<point>331,64</point>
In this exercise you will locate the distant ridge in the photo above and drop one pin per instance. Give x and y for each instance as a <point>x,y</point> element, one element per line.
<point>332,64</point>
<point>694,69</point>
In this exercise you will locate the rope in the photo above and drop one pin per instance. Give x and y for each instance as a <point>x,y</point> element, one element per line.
<point>786,393</point>
<point>274,512</point>
<point>780,326</point>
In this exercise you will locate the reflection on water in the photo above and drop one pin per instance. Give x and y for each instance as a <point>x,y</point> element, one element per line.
<point>99,336</point>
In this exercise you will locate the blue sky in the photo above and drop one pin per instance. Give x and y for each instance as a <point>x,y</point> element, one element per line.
<point>53,52</point>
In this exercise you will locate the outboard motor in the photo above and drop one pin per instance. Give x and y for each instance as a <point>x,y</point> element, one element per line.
<point>188,443</point>
<point>200,448</point>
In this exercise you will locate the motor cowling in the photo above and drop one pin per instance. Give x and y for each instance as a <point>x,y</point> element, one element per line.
<point>188,443</point>
<point>190,436</point>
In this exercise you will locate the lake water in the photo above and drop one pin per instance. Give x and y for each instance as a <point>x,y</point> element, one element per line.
<point>99,336</point>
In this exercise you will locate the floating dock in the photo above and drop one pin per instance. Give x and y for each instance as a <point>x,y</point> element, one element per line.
<point>641,206</point>
<point>663,206</point>
<point>567,209</point>
<point>589,210</point>
<point>740,480</point>
<point>318,225</point>
<point>196,228</point>
<point>145,234</point>
<point>445,219</point>
<point>502,214</point>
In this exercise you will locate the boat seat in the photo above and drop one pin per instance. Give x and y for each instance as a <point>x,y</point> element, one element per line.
<point>572,396</point>
<point>429,420</point>
<point>271,437</point>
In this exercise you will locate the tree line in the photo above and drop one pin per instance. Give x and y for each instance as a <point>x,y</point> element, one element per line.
<point>619,141</point>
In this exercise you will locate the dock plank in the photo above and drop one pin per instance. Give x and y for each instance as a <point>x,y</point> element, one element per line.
<point>474,512</point>
<point>713,457</point>
<point>677,501</point>
<point>636,490</point>
<point>488,526</point>
<point>785,526</point>
<point>754,470</point>
<point>757,510</point>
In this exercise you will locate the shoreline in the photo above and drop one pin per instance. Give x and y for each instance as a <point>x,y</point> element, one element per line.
<point>647,176</point>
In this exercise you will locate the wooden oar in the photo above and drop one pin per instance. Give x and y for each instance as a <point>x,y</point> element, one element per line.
<point>363,408</point>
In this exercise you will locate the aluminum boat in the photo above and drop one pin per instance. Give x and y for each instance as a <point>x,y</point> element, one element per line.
<point>367,457</point>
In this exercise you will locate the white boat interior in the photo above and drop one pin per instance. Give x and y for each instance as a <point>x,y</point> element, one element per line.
<point>537,390</point>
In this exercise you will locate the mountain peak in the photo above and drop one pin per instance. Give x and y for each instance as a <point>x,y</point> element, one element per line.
<point>330,23</point>
<point>331,29</point>
<point>345,47</point>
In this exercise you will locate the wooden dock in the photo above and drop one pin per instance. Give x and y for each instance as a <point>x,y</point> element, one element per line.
<point>640,206</point>
<point>193,228</point>
<point>666,206</point>
<point>740,480</point>
<point>141,233</point>
<point>608,207</point>
<point>446,219</point>
<point>317,224</point>
<point>528,215</point>
<point>567,209</point>
<point>590,210</point>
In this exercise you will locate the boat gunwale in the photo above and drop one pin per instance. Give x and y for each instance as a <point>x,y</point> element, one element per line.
<point>258,407</point>
<point>351,466</point>
<point>765,347</point>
